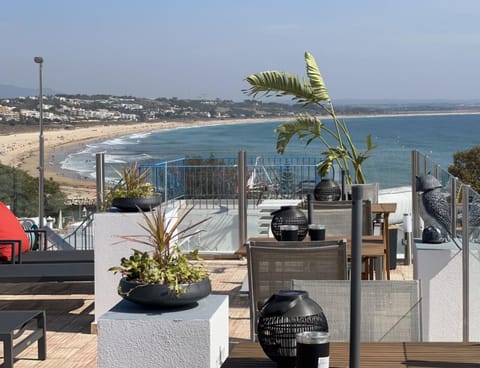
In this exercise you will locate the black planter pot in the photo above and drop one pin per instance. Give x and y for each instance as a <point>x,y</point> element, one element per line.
<point>156,295</point>
<point>133,204</point>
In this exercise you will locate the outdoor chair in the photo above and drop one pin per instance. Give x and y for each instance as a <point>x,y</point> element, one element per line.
<point>337,217</point>
<point>390,309</point>
<point>272,266</point>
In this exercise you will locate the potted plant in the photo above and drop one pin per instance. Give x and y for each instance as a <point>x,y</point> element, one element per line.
<point>313,91</point>
<point>164,276</point>
<point>133,191</point>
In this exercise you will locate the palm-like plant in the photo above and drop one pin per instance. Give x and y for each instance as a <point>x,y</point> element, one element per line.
<point>166,263</point>
<point>313,91</point>
<point>133,183</point>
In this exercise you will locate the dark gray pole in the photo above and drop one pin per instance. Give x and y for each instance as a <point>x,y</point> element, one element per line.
<point>100,166</point>
<point>41,166</point>
<point>415,202</point>
<point>242,199</point>
<point>356,275</point>
<point>309,208</point>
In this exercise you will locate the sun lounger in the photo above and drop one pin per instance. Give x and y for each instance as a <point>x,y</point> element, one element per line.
<point>44,266</point>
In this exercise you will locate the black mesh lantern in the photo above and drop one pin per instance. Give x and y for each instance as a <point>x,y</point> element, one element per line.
<point>286,313</point>
<point>289,215</point>
<point>327,190</point>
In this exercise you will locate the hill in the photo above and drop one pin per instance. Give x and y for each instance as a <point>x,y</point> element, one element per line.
<point>9,91</point>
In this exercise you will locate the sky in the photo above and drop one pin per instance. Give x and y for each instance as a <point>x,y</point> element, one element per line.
<point>366,50</point>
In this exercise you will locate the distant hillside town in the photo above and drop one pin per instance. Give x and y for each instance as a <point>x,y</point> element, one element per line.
<point>78,109</point>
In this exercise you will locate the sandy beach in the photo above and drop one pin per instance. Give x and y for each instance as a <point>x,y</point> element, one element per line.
<point>21,150</point>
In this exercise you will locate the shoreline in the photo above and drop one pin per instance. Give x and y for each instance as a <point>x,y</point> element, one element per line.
<point>20,150</point>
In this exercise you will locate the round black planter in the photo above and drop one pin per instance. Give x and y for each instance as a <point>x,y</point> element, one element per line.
<point>133,204</point>
<point>156,295</point>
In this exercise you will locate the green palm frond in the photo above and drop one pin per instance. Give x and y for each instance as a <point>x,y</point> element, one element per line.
<point>274,83</point>
<point>340,148</point>
<point>369,143</point>
<point>302,126</point>
<point>325,165</point>
<point>316,80</point>
<point>305,126</point>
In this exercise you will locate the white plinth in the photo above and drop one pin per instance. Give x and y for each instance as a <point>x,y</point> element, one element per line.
<point>438,267</point>
<point>109,250</point>
<point>132,336</point>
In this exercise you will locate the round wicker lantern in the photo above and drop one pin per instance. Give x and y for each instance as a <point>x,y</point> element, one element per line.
<point>289,215</point>
<point>284,314</point>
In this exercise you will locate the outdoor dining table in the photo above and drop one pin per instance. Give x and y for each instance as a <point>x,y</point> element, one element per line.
<point>373,354</point>
<point>373,248</point>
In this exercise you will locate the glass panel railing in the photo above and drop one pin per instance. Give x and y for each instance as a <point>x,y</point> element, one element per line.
<point>455,207</point>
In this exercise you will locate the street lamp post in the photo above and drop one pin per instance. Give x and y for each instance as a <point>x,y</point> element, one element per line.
<point>41,166</point>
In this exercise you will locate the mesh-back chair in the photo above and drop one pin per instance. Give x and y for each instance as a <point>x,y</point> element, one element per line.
<point>390,309</point>
<point>337,217</point>
<point>272,266</point>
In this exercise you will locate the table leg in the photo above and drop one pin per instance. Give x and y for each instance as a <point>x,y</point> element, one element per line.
<point>380,271</point>
<point>42,341</point>
<point>387,245</point>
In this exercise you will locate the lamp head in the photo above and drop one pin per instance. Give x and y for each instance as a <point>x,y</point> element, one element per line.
<point>38,59</point>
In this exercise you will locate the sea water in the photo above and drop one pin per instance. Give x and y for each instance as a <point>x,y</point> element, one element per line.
<point>438,136</point>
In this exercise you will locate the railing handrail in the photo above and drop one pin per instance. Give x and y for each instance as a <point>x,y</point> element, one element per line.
<point>84,229</point>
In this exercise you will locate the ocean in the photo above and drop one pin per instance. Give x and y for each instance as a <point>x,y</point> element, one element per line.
<point>438,136</point>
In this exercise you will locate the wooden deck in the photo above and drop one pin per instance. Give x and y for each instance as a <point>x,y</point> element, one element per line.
<point>374,355</point>
<point>70,312</point>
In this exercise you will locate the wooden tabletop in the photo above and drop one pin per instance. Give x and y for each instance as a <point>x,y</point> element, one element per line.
<point>384,207</point>
<point>374,354</point>
<point>372,245</point>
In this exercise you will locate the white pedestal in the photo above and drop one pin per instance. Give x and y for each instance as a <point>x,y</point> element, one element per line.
<point>132,336</point>
<point>109,250</point>
<point>438,267</point>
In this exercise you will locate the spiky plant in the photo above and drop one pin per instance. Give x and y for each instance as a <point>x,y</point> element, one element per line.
<point>165,263</point>
<point>132,184</point>
<point>313,91</point>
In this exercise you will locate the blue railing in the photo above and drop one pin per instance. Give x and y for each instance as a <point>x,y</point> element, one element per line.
<point>215,180</point>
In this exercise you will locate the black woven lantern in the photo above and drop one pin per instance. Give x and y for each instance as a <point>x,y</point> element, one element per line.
<point>289,215</point>
<point>286,313</point>
<point>327,190</point>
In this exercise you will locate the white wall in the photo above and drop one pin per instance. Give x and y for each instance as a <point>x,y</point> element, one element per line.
<point>439,269</point>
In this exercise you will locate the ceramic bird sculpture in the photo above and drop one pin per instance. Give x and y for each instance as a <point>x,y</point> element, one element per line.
<point>435,208</point>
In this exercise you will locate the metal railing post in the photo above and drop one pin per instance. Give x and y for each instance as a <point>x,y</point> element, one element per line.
<point>453,206</point>
<point>165,183</point>
<point>100,172</point>
<point>465,265</point>
<point>242,199</point>
<point>415,212</point>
